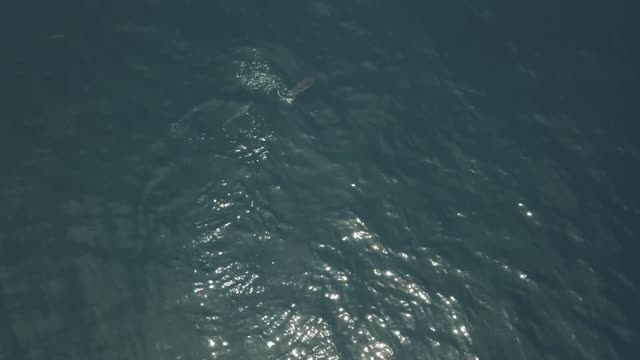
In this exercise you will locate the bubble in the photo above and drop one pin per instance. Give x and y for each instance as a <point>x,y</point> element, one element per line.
<point>256,75</point>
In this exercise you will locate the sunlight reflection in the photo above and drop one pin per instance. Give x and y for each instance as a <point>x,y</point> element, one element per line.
<point>357,231</point>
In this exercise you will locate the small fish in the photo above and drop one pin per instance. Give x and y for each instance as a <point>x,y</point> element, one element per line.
<point>301,86</point>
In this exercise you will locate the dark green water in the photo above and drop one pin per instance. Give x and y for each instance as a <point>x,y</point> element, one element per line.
<point>458,183</point>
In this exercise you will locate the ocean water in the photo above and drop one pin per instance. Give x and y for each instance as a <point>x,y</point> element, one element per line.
<point>458,181</point>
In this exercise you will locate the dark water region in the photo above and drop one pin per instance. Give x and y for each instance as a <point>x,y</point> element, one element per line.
<point>457,181</point>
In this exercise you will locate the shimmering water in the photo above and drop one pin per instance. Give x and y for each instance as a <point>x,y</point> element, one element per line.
<point>458,183</point>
